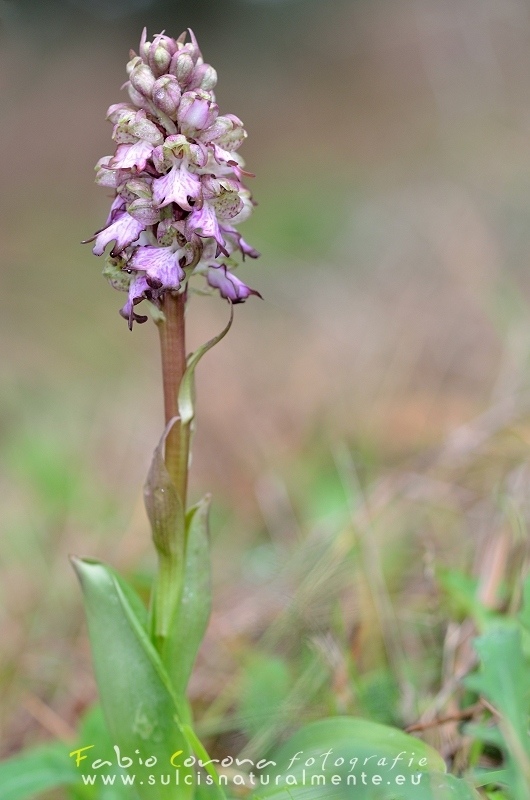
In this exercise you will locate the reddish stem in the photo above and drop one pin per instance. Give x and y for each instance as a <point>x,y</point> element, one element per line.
<point>173,350</point>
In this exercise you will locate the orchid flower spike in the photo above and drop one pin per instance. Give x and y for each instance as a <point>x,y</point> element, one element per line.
<point>176,178</point>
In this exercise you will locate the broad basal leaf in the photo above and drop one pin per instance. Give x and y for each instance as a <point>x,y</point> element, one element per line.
<point>345,757</point>
<point>140,708</point>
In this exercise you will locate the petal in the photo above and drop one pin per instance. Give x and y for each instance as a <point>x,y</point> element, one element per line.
<point>196,112</point>
<point>176,187</point>
<point>116,209</point>
<point>239,242</point>
<point>131,156</point>
<point>116,111</point>
<point>138,290</point>
<point>228,285</point>
<point>203,222</point>
<point>124,230</point>
<point>227,133</point>
<point>161,265</point>
<point>105,175</point>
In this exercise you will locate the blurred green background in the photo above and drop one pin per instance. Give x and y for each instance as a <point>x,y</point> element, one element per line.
<point>391,145</point>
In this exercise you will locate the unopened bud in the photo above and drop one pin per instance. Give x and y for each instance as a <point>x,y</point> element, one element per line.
<point>133,63</point>
<point>209,79</point>
<point>105,176</point>
<point>137,98</point>
<point>204,77</point>
<point>144,211</point>
<point>142,79</point>
<point>159,58</point>
<point>182,67</point>
<point>139,188</point>
<point>166,94</point>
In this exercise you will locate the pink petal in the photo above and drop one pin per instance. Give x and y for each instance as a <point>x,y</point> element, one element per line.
<point>124,230</point>
<point>176,187</point>
<point>131,156</point>
<point>161,265</point>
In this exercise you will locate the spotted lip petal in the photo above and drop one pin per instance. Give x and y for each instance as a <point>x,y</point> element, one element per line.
<point>204,223</point>
<point>176,187</point>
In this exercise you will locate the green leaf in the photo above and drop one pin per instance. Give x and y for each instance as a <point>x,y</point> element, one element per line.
<point>27,775</point>
<point>503,681</point>
<point>371,761</point>
<point>490,777</point>
<point>93,729</point>
<point>186,398</point>
<point>188,628</point>
<point>163,504</point>
<point>141,711</point>
<point>166,515</point>
<point>430,786</point>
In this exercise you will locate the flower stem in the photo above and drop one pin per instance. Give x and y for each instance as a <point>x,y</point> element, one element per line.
<point>173,350</point>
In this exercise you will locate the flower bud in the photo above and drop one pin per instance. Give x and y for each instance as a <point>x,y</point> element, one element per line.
<point>209,79</point>
<point>220,127</point>
<point>139,188</point>
<point>160,54</point>
<point>189,47</point>
<point>196,112</point>
<point>142,79</point>
<point>204,77</point>
<point>137,98</point>
<point>133,63</point>
<point>105,175</point>
<point>233,138</point>
<point>166,94</point>
<point>182,67</point>
<point>143,210</point>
